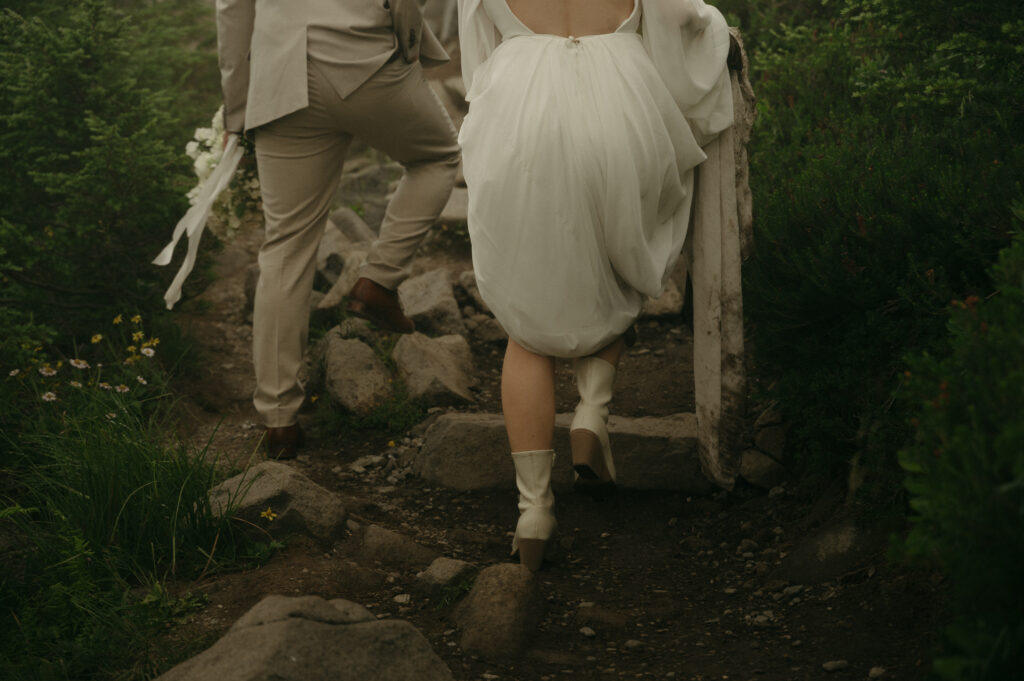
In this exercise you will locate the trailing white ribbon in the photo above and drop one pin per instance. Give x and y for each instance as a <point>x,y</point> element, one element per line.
<point>194,221</point>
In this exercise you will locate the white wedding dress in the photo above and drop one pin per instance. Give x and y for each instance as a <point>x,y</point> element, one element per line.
<point>579,161</point>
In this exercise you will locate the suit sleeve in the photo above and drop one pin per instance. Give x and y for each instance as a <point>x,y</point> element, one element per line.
<point>235,20</point>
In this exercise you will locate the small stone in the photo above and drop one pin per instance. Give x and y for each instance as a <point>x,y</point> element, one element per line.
<point>776,491</point>
<point>835,665</point>
<point>588,632</point>
<point>402,598</point>
<point>792,590</point>
<point>633,644</point>
<point>876,673</point>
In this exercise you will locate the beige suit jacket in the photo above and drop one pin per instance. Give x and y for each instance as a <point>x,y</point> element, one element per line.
<point>263,45</point>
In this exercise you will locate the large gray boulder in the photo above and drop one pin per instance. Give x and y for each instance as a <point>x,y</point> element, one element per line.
<point>470,451</point>
<point>429,300</point>
<point>355,377</point>
<point>310,639</point>
<point>436,371</point>
<point>394,550</point>
<point>467,280</point>
<point>276,498</point>
<point>500,613</point>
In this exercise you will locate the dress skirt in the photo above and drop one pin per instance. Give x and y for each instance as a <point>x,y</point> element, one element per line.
<point>579,166</point>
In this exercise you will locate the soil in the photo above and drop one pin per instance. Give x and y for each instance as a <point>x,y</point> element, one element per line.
<point>672,586</point>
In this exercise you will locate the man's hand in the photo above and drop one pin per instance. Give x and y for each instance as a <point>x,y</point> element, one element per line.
<point>408,21</point>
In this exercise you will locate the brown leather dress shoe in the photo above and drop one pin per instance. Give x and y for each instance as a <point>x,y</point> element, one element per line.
<point>369,300</point>
<point>284,442</point>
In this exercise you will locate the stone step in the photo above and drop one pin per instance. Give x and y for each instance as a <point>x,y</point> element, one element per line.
<point>470,451</point>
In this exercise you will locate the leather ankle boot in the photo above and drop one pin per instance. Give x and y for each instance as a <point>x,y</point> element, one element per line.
<point>536,506</point>
<point>588,434</point>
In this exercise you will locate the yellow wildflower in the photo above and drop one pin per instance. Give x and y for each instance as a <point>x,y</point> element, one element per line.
<point>97,338</point>
<point>391,443</point>
<point>138,335</point>
<point>136,319</point>
<point>268,514</point>
<point>313,399</point>
<point>118,319</point>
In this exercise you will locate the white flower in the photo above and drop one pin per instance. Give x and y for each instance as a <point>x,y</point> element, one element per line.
<point>74,384</point>
<point>218,120</point>
<point>14,372</point>
<point>105,385</point>
<point>192,149</point>
<point>141,380</point>
<point>148,352</point>
<point>206,135</point>
<point>121,388</point>
<point>79,364</point>
<point>47,371</point>
<point>49,397</point>
<point>111,416</point>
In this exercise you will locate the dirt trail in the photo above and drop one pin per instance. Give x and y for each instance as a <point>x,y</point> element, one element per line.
<point>670,587</point>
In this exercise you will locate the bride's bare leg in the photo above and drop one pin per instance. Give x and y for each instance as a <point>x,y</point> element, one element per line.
<point>528,398</point>
<point>612,352</point>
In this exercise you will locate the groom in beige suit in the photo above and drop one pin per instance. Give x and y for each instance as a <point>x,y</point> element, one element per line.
<point>306,76</point>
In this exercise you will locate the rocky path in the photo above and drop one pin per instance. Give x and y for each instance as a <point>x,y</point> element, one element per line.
<point>762,583</point>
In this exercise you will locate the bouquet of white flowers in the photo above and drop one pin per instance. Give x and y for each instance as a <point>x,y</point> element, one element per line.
<point>241,198</point>
<point>227,191</point>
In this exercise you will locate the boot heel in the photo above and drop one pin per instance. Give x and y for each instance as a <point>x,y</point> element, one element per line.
<point>587,455</point>
<point>531,553</point>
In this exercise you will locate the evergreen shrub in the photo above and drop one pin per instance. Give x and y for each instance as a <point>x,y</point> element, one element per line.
<point>965,473</point>
<point>875,205</point>
<point>91,176</point>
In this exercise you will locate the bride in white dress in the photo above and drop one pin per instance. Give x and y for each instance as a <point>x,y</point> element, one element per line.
<point>585,123</point>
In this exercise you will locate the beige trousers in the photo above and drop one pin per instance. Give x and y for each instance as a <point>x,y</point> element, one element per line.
<point>300,158</point>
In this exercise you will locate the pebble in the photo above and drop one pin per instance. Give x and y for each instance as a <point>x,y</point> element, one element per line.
<point>402,598</point>
<point>776,492</point>
<point>876,673</point>
<point>835,665</point>
<point>588,632</point>
<point>633,644</point>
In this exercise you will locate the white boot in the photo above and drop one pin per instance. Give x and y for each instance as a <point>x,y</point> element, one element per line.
<point>588,434</point>
<point>536,506</point>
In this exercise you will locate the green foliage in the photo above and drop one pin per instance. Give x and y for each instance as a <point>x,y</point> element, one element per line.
<point>877,201</point>
<point>965,473</point>
<point>91,181</point>
<point>98,503</point>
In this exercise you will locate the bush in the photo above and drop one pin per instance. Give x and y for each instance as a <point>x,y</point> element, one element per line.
<point>876,203</point>
<point>100,507</point>
<point>91,179</point>
<point>965,473</point>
